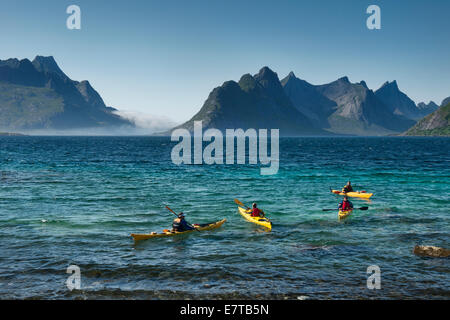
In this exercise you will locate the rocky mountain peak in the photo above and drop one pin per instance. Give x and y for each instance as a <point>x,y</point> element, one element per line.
<point>390,86</point>
<point>344,79</point>
<point>431,104</point>
<point>247,82</point>
<point>364,84</point>
<point>266,76</point>
<point>48,65</point>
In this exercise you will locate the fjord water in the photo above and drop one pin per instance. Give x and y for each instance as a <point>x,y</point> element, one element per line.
<point>75,200</point>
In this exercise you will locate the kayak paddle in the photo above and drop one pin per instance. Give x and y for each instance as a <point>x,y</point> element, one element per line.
<point>171,211</point>
<point>362,208</point>
<point>240,203</point>
<point>177,216</point>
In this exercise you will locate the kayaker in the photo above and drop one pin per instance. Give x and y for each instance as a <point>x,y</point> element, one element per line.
<point>180,224</point>
<point>345,204</point>
<point>347,188</point>
<point>256,212</point>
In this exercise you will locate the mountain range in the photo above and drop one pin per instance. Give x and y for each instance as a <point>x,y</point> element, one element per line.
<point>36,95</point>
<point>297,107</point>
<point>257,101</point>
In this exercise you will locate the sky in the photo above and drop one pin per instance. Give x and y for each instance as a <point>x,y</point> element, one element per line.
<point>161,59</point>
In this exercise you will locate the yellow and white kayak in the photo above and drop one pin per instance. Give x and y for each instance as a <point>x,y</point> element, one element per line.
<point>355,194</point>
<point>344,214</point>
<point>246,213</point>
<point>167,233</point>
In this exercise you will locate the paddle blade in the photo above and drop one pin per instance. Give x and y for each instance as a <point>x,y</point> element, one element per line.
<point>171,210</point>
<point>239,203</point>
<point>363,208</point>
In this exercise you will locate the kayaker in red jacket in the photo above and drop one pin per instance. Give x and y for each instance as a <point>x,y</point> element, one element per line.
<point>345,204</point>
<point>347,188</point>
<point>256,212</point>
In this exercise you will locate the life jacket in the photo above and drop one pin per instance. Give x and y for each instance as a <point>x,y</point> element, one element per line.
<point>347,189</point>
<point>180,225</point>
<point>346,205</point>
<point>256,212</point>
<point>176,225</point>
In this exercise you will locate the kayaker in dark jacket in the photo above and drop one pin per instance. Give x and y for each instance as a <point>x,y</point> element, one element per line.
<point>345,204</point>
<point>347,188</point>
<point>180,224</point>
<point>256,212</point>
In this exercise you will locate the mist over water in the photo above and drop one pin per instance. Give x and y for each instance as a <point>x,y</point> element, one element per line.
<point>143,124</point>
<point>75,200</point>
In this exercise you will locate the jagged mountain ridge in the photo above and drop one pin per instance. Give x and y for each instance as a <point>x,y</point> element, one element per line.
<point>339,107</point>
<point>359,111</point>
<point>308,100</point>
<point>427,108</point>
<point>398,102</point>
<point>39,95</point>
<point>257,101</point>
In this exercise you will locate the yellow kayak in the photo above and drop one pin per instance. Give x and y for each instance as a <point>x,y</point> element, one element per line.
<point>200,227</point>
<point>257,220</point>
<point>355,194</point>
<point>344,213</point>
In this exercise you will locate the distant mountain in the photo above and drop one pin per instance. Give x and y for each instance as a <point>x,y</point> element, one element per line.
<point>301,108</point>
<point>39,95</point>
<point>358,111</point>
<point>435,124</point>
<point>257,101</point>
<point>343,107</point>
<point>308,100</point>
<point>426,109</point>
<point>399,103</point>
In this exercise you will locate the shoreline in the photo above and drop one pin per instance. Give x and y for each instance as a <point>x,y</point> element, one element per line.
<point>12,134</point>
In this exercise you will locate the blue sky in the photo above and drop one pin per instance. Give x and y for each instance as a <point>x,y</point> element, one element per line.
<point>164,57</point>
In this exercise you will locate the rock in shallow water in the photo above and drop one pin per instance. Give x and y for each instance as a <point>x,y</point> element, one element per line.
<point>431,251</point>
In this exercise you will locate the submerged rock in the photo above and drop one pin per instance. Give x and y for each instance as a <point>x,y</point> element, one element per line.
<point>430,251</point>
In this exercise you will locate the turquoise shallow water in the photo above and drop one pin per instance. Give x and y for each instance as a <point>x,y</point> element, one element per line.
<point>75,200</point>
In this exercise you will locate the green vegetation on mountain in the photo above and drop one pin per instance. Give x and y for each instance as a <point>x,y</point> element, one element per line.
<point>25,107</point>
<point>435,124</point>
<point>36,95</point>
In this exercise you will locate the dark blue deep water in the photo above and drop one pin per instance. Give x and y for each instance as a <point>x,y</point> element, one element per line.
<point>75,200</point>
